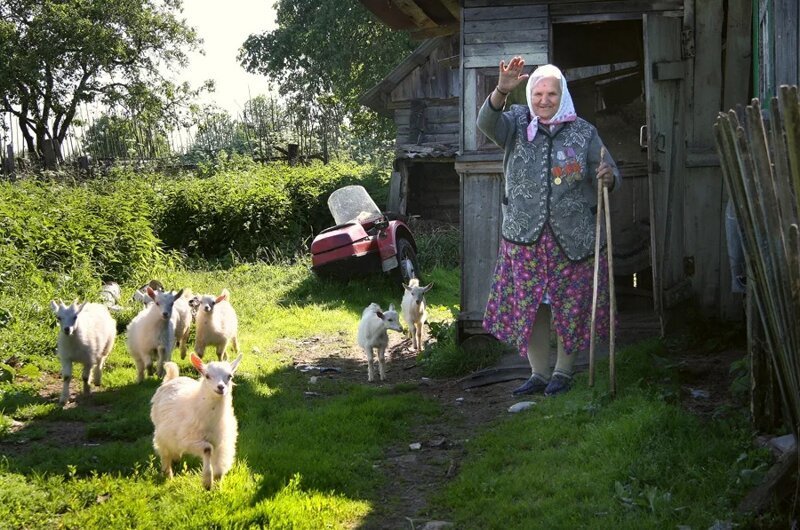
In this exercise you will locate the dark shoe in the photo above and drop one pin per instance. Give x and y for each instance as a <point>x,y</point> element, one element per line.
<point>558,384</point>
<point>534,385</point>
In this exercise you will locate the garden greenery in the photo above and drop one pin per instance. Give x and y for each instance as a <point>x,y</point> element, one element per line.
<point>62,239</point>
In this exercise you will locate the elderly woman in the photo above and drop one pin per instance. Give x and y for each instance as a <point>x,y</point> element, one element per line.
<point>545,264</point>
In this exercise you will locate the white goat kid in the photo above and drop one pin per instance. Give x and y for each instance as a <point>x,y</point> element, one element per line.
<point>151,333</point>
<point>196,417</point>
<point>414,311</point>
<point>86,335</point>
<point>372,334</point>
<point>217,325</point>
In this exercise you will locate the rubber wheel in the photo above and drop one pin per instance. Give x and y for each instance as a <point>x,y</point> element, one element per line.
<point>407,265</point>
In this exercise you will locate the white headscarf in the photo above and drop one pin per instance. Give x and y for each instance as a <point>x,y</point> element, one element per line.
<point>566,110</point>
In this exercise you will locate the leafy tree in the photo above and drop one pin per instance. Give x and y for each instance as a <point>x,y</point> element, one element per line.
<point>58,54</point>
<point>217,131</point>
<point>324,55</point>
<point>121,137</point>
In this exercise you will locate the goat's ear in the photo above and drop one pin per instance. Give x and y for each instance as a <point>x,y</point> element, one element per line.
<point>235,363</point>
<point>151,293</point>
<point>53,306</point>
<point>406,287</point>
<point>75,302</point>
<point>179,294</point>
<point>380,315</point>
<point>427,287</point>
<point>223,296</point>
<point>197,362</point>
<point>81,306</point>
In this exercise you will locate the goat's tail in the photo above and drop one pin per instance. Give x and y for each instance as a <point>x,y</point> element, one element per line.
<point>172,371</point>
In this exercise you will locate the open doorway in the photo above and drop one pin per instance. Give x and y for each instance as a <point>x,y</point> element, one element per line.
<point>603,63</point>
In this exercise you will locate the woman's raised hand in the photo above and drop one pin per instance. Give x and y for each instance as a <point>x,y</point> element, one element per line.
<point>511,75</point>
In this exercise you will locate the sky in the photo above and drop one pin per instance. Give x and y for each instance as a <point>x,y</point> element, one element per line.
<point>224,26</point>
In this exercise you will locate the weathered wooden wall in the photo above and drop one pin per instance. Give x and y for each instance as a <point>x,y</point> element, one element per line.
<point>778,43</point>
<point>424,122</point>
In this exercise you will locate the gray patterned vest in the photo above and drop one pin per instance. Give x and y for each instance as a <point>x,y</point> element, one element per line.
<point>547,181</point>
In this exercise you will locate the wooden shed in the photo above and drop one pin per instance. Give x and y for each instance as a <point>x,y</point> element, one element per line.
<point>652,76</point>
<point>422,95</point>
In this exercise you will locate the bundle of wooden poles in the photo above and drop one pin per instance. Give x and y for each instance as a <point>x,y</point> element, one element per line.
<point>760,158</point>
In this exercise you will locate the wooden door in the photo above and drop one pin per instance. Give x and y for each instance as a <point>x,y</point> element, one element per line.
<point>664,79</point>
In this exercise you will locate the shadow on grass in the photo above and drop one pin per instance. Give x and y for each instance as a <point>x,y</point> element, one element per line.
<point>107,431</point>
<point>329,434</point>
<point>314,290</point>
<point>355,294</point>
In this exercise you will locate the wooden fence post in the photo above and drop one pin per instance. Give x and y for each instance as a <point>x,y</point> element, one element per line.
<point>292,153</point>
<point>49,154</point>
<point>8,165</point>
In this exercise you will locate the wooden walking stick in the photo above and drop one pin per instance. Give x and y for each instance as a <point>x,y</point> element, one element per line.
<point>603,207</point>
<point>595,281</point>
<point>612,297</point>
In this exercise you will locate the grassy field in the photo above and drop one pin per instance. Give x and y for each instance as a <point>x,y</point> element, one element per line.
<point>579,461</point>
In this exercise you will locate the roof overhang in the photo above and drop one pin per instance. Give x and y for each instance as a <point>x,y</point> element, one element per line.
<point>422,19</point>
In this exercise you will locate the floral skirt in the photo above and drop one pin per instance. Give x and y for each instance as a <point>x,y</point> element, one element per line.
<point>526,274</point>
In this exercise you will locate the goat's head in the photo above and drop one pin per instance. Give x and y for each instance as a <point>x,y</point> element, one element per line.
<point>417,293</point>
<point>208,301</point>
<point>67,315</point>
<point>164,300</point>
<point>391,320</point>
<point>217,375</point>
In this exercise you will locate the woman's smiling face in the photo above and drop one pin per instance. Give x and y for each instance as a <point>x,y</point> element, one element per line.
<point>546,97</point>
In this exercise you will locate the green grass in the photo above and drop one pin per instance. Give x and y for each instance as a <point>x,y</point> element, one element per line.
<point>302,463</point>
<point>578,461</point>
<point>584,460</point>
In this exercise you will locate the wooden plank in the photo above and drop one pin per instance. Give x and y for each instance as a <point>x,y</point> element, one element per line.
<point>500,13</point>
<point>495,26</point>
<point>481,220</point>
<point>738,54</point>
<point>415,13</point>
<point>604,17</point>
<point>483,61</point>
<point>498,3</point>
<point>701,157</point>
<point>664,124</point>
<point>451,127</point>
<point>442,114</point>
<point>437,31</point>
<point>487,37</point>
<point>786,42</point>
<point>704,218</point>
<point>666,70</point>
<point>623,6</point>
<point>505,49</point>
<point>470,110</point>
<point>393,201</point>
<point>452,7</point>
<point>434,138</point>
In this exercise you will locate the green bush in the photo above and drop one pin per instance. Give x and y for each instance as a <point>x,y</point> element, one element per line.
<point>55,227</point>
<point>256,211</point>
<point>60,241</point>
